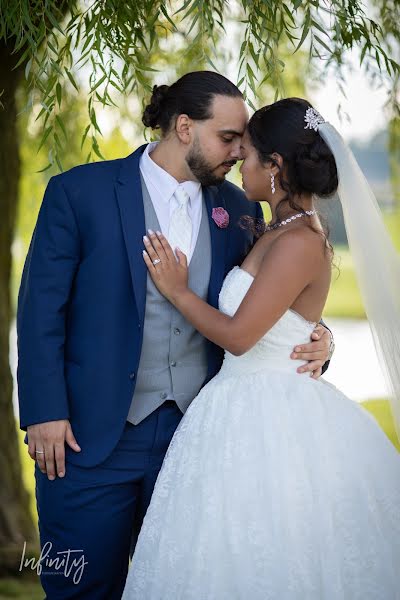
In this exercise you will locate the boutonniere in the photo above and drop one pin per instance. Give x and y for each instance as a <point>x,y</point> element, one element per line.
<point>220,217</point>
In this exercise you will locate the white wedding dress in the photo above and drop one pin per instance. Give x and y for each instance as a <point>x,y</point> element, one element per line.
<point>275,486</point>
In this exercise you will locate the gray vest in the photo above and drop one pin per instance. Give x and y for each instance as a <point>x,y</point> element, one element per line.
<point>173,361</point>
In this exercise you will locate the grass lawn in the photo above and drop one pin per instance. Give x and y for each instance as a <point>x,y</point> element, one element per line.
<point>380,409</point>
<point>344,300</point>
<point>11,589</point>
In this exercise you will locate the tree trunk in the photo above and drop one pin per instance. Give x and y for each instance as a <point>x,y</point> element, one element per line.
<point>16,524</point>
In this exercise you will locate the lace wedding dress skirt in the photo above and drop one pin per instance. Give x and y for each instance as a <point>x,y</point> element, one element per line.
<point>275,486</point>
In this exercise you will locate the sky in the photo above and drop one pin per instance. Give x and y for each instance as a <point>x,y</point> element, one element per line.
<point>364,105</point>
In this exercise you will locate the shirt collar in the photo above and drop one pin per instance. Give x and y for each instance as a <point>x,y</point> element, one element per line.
<point>164,183</point>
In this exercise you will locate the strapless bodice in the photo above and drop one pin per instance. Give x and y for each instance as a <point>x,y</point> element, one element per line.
<point>274,348</point>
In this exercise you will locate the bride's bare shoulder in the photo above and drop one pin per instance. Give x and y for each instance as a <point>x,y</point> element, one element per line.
<point>299,243</point>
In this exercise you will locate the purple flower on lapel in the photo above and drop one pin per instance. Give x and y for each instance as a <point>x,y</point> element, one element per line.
<point>220,216</point>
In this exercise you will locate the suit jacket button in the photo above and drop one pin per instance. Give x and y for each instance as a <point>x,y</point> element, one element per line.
<point>132,376</point>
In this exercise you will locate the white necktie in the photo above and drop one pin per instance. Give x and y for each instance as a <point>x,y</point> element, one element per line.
<point>180,226</point>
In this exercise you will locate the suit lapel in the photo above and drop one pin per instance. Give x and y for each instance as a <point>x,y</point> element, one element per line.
<point>130,202</point>
<point>219,236</point>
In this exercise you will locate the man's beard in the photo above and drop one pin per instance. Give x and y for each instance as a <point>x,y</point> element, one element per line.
<point>202,169</point>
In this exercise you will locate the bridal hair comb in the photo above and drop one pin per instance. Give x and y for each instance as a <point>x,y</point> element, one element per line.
<point>313,119</point>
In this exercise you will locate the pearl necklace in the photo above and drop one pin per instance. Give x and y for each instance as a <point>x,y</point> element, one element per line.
<point>303,214</point>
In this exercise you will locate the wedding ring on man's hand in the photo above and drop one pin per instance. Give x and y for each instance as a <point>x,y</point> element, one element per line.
<point>39,451</point>
<point>155,262</point>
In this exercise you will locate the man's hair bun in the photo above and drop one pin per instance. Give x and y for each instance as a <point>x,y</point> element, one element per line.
<point>151,115</point>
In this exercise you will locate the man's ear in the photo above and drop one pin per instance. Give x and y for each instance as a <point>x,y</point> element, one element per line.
<point>183,128</point>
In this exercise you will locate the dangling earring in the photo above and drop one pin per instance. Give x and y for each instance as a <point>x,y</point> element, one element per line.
<point>272,183</point>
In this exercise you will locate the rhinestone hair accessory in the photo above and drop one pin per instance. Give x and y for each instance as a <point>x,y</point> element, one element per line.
<point>313,119</point>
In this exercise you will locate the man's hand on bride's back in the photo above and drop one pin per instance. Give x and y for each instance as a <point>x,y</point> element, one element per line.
<point>316,352</point>
<point>46,445</point>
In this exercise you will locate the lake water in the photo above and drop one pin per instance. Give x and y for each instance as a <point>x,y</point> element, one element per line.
<point>354,367</point>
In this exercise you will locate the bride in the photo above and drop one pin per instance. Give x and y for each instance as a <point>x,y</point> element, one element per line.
<point>276,485</point>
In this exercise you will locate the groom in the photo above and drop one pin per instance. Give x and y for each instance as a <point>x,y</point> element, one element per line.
<point>106,365</point>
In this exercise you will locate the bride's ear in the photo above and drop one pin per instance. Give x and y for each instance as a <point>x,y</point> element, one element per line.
<point>274,164</point>
<point>277,163</point>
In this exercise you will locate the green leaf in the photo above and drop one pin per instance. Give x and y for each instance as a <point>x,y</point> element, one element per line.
<point>23,57</point>
<point>210,62</point>
<point>166,15</point>
<point>96,148</point>
<point>319,27</point>
<point>185,5</point>
<point>87,42</point>
<point>57,141</point>
<point>378,60</point>
<point>57,158</point>
<point>98,83</point>
<point>193,23</point>
<point>84,58</point>
<point>84,136</point>
<point>45,136</point>
<point>53,20</point>
<point>256,57</point>
<point>58,93</point>
<point>306,29</point>
<point>322,43</point>
<point>56,67</point>
<point>62,126</point>
<point>250,103</point>
<point>250,71</point>
<point>71,78</point>
<point>366,47</point>
<point>116,86</point>
<point>45,168</point>
<point>289,14</point>
<point>94,120</point>
<point>146,68</point>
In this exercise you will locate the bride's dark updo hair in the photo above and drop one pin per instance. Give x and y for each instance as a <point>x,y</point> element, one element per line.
<point>308,164</point>
<point>192,95</point>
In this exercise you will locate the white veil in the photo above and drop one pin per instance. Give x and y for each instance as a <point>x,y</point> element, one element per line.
<point>376,261</point>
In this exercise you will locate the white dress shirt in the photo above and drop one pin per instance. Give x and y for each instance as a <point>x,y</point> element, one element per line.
<point>161,186</point>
